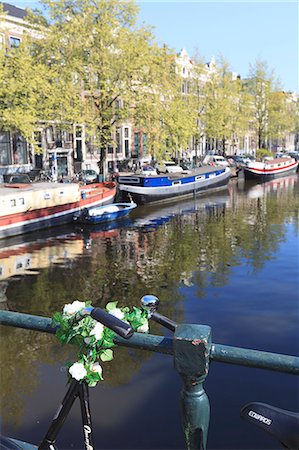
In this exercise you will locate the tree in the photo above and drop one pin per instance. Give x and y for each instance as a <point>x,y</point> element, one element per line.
<point>260,85</point>
<point>226,106</point>
<point>281,116</point>
<point>22,79</point>
<point>103,65</point>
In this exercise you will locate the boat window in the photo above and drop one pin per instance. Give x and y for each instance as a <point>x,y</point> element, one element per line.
<point>134,180</point>
<point>200,177</point>
<point>176,182</point>
<point>13,202</point>
<point>61,193</point>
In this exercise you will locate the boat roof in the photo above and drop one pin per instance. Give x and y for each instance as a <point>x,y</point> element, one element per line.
<point>183,174</point>
<point>12,189</point>
<point>277,160</point>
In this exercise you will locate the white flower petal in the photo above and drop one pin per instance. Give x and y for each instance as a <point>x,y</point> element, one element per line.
<point>97,331</point>
<point>96,367</point>
<point>78,371</point>
<point>143,328</point>
<point>72,308</point>
<point>116,312</point>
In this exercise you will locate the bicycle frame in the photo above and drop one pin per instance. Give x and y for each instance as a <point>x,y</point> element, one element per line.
<point>75,390</point>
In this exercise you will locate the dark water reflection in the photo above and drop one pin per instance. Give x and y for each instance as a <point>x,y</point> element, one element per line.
<point>229,260</point>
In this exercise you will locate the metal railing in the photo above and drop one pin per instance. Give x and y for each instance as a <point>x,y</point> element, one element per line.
<point>192,350</point>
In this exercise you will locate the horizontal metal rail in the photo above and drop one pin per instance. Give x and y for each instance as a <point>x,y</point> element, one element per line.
<point>161,344</point>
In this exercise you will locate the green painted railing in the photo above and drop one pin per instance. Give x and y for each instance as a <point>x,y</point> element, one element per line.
<point>192,350</point>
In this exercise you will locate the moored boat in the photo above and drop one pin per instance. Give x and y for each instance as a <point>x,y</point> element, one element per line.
<point>165,187</point>
<point>30,207</point>
<point>269,169</point>
<point>106,213</point>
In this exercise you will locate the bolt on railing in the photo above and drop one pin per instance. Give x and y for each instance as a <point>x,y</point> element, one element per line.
<point>192,350</point>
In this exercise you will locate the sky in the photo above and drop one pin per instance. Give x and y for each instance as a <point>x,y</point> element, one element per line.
<point>241,31</point>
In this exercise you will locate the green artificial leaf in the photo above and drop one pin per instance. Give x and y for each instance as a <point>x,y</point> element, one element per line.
<point>111,305</point>
<point>106,355</point>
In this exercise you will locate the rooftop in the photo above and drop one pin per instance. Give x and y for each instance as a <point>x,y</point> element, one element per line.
<point>14,11</point>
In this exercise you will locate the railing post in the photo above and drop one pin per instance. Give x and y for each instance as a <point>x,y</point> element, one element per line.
<point>191,347</point>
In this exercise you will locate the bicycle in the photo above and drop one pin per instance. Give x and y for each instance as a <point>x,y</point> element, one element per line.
<point>282,424</point>
<point>76,390</point>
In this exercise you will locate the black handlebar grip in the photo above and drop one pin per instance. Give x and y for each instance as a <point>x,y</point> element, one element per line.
<point>123,329</point>
<point>162,320</point>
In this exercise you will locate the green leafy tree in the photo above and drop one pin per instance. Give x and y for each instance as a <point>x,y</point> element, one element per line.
<point>226,106</point>
<point>22,79</point>
<point>282,115</point>
<point>260,85</point>
<point>102,66</point>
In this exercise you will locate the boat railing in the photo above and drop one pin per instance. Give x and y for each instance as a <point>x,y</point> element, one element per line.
<point>192,350</point>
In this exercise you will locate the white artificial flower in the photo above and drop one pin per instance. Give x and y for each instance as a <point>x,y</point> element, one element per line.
<point>96,367</point>
<point>97,331</point>
<point>72,308</point>
<point>78,371</point>
<point>116,312</point>
<point>143,328</point>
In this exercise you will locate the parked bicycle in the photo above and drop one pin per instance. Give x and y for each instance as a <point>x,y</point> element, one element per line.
<point>282,424</point>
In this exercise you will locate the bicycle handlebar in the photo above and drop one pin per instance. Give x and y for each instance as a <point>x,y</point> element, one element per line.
<point>120,327</point>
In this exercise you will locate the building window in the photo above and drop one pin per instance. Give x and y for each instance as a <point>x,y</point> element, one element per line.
<point>14,42</point>
<point>127,142</point>
<point>68,136</point>
<point>5,149</point>
<point>136,145</point>
<point>144,144</point>
<point>118,143</point>
<point>78,154</point>
<point>110,149</point>
<point>19,149</point>
<point>50,134</point>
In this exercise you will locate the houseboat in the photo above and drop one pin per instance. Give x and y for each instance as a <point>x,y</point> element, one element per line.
<point>165,187</point>
<point>271,168</point>
<point>30,207</point>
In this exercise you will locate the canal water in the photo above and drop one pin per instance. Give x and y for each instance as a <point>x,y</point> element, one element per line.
<point>228,260</point>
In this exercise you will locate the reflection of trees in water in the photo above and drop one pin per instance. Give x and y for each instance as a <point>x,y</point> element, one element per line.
<point>20,355</point>
<point>199,248</point>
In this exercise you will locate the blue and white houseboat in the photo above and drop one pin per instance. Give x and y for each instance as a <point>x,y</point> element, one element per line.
<point>164,187</point>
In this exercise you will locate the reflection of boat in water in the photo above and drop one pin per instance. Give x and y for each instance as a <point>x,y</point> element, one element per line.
<point>30,207</point>
<point>152,216</point>
<point>169,186</point>
<point>27,258</point>
<point>257,190</point>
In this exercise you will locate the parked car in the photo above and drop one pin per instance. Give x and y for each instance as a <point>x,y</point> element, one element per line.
<point>147,170</point>
<point>18,178</point>
<point>168,167</point>
<point>216,160</point>
<point>88,176</point>
<point>294,155</point>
